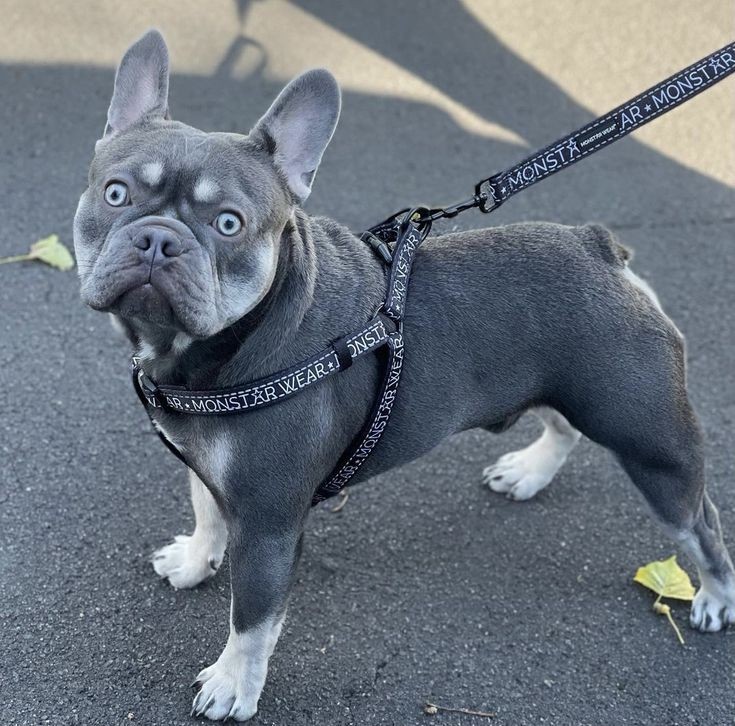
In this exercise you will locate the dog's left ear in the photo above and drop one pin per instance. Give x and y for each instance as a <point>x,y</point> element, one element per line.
<point>299,125</point>
<point>141,84</point>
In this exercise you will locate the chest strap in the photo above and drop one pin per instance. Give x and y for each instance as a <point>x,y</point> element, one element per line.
<point>270,389</point>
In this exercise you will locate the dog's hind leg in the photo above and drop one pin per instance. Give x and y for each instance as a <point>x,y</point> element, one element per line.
<point>673,484</point>
<point>522,474</point>
<point>639,409</point>
<point>714,604</point>
<point>190,559</point>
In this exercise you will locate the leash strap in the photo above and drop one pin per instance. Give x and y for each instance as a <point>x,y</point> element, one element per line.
<point>675,90</point>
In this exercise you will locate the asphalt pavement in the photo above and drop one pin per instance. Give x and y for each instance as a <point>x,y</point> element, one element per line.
<point>426,586</point>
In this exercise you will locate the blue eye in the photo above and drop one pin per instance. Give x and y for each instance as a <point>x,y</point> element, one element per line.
<point>116,194</point>
<point>228,223</point>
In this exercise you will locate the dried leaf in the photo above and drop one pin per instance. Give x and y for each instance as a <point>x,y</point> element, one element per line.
<point>52,252</point>
<point>666,579</point>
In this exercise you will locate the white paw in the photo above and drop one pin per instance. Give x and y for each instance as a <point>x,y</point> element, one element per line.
<point>231,687</point>
<point>522,474</point>
<point>224,692</point>
<point>711,611</point>
<point>187,561</point>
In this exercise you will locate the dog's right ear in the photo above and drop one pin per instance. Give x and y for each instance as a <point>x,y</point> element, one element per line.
<point>299,125</point>
<point>141,84</point>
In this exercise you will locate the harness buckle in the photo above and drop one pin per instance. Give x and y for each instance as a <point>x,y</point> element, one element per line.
<point>147,389</point>
<point>378,246</point>
<point>391,326</point>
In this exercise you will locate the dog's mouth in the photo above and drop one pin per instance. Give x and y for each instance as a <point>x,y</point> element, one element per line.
<point>162,300</point>
<point>145,302</point>
<point>130,292</point>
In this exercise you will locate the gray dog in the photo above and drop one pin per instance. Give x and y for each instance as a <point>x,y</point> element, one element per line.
<point>196,244</point>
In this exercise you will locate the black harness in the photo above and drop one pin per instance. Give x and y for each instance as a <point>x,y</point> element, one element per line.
<point>395,242</point>
<point>383,330</point>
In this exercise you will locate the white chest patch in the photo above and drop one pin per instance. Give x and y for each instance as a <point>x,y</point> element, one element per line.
<point>180,343</point>
<point>217,459</point>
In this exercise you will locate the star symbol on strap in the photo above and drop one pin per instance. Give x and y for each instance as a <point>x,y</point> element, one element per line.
<point>502,189</point>
<point>647,107</point>
<point>330,365</point>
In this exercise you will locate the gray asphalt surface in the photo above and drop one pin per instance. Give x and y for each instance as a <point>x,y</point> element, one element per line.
<point>426,587</point>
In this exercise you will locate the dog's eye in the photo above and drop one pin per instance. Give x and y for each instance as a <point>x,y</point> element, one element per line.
<point>228,224</point>
<point>116,194</point>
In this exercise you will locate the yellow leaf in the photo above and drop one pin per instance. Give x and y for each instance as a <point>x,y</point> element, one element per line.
<point>52,252</point>
<point>666,579</point>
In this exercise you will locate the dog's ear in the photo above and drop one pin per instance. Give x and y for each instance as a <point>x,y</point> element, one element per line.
<point>141,84</point>
<point>299,125</point>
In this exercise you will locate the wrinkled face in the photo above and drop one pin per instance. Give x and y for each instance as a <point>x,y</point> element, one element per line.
<point>179,228</point>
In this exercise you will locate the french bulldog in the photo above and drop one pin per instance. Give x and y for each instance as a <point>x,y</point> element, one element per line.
<point>197,245</point>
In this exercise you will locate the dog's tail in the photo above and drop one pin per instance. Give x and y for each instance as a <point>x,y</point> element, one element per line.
<point>606,244</point>
<point>617,254</point>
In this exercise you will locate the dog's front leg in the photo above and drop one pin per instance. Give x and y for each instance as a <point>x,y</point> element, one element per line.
<point>262,564</point>
<point>191,559</point>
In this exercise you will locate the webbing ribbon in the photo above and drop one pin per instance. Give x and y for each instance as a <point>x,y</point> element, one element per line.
<point>607,129</point>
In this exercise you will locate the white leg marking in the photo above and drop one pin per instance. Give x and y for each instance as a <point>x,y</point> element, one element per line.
<point>232,685</point>
<point>713,607</point>
<point>189,560</point>
<point>522,474</point>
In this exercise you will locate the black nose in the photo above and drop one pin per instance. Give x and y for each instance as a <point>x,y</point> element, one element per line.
<point>155,240</point>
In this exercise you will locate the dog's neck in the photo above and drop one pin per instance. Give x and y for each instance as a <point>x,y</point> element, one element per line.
<point>326,283</point>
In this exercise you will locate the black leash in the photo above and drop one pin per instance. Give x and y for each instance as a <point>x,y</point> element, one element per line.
<point>405,231</point>
<point>490,193</point>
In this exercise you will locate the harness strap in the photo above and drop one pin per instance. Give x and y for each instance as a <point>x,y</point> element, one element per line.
<point>367,439</point>
<point>271,389</point>
<point>143,396</point>
<point>409,236</point>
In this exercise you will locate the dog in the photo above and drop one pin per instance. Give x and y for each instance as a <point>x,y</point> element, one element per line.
<point>197,245</point>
